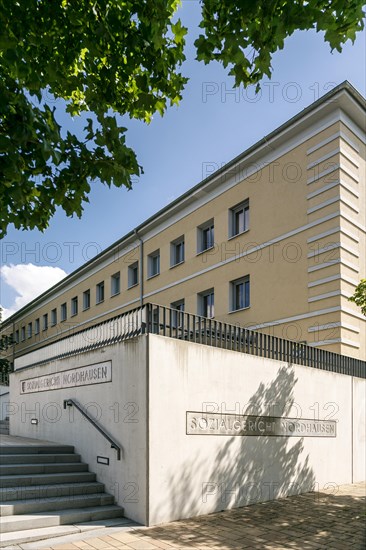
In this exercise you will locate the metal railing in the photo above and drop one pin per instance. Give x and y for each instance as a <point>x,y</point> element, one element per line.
<point>114,444</point>
<point>194,328</point>
<point>157,319</point>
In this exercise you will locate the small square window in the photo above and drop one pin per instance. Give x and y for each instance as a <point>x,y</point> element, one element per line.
<point>63,311</point>
<point>205,236</point>
<point>86,299</point>
<point>240,293</point>
<point>30,330</point>
<point>53,317</point>
<point>37,326</point>
<point>153,264</point>
<point>239,218</point>
<point>177,251</point>
<point>115,284</point>
<point>45,321</point>
<point>22,334</point>
<point>100,292</point>
<point>133,274</point>
<point>206,303</point>
<point>74,306</point>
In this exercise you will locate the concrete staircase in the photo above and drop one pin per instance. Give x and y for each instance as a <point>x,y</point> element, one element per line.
<point>4,427</point>
<point>46,491</point>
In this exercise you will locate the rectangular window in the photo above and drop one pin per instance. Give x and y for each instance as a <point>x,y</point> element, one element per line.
<point>86,299</point>
<point>205,236</point>
<point>153,264</point>
<point>22,334</point>
<point>53,317</point>
<point>17,336</point>
<point>63,311</point>
<point>37,326</point>
<point>29,331</point>
<point>74,306</point>
<point>177,313</point>
<point>206,303</point>
<point>239,218</point>
<point>177,251</point>
<point>240,293</point>
<point>100,292</point>
<point>115,284</point>
<point>45,321</point>
<point>133,274</point>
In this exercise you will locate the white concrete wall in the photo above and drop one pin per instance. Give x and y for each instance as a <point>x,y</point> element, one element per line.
<point>195,474</point>
<point>4,401</point>
<point>359,429</point>
<point>120,406</point>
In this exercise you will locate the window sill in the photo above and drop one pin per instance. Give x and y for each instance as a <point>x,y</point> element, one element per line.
<point>86,308</point>
<point>205,250</point>
<point>240,309</point>
<point>73,315</point>
<point>100,302</point>
<point>152,276</point>
<point>238,234</point>
<point>132,286</point>
<point>175,265</point>
<point>115,294</point>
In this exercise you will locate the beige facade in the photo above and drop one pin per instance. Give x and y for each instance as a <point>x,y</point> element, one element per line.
<point>274,241</point>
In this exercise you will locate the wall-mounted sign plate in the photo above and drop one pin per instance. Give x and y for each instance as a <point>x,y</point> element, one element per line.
<point>103,460</point>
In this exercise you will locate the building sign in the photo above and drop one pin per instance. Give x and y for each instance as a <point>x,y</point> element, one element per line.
<point>98,373</point>
<point>241,425</point>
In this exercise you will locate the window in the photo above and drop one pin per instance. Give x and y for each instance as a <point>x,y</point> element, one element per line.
<point>37,326</point>
<point>115,284</point>
<point>29,331</point>
<point>205,236</point>
<point>239,218</point>
<point>53,317</point>
<point>133,274</point>
<point>86,299</point>
<point>240,293</point>
<point>45,321</point>
<point>153,264</point>
<point>17,336</point>
<point>177,251</point>
<point>177,313</point>
<point>100,292</point>
<point>63,311</point>
<point>206,303</point>
<point>22,334</point>
<point>74,306</point>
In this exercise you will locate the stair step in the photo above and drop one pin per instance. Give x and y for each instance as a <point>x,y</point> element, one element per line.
<point>56,467</point>
<point>39,458</point>
<point>71,516</point>
<point>50,491</point>
<point>45,479</point>
<point>35,449</point>
<point>32,535</point>
<point>30,506</point>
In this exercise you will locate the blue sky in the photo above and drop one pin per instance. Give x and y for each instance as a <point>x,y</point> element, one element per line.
<point>211,126</point>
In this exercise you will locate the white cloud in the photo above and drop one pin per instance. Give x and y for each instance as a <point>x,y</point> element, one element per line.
<point>28,281</point>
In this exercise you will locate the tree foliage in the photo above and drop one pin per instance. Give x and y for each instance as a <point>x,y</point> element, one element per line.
<point>359,296</point>
<point>104,57</point>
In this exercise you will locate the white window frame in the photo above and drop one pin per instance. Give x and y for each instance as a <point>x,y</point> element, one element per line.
<point>243,207</point>
<point>178,308</point>
<point>153,264</point>
<point>53,317</point>
<point>29,330</point>
<point>133,274</point>
<point>74,306</point>
<point>177,251</point>
<point>234,285</point>
<point>99,293</point>
<point>64,311</point>
<point>37,326</point>
<point>206,303</point>
<point>116,283</point>
<point>204,244</point>
<point>45,321</point>
<point>86,299</point>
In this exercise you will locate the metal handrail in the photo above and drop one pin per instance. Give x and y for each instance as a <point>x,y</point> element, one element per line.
<point>114,444</point>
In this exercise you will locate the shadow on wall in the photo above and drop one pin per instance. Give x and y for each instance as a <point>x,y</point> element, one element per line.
<point>246,469</point>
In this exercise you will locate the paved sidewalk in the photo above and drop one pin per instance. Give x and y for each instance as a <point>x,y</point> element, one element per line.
<point>313,520</point>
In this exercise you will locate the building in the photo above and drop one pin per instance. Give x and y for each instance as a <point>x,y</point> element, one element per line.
<point>274,241</point>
